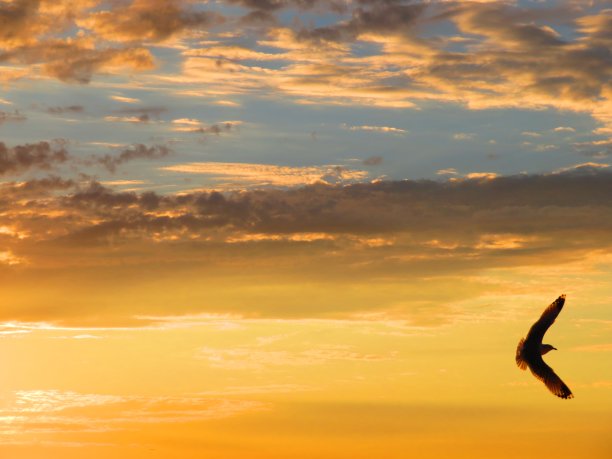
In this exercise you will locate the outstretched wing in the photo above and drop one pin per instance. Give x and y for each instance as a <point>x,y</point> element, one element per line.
<point>544,373</point>
<point>537,330</point>
<point>520,361</point>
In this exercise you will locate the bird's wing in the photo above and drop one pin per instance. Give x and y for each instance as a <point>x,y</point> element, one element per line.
<point>537,330</point>
<point>544,373</point>
<point>520,361</point>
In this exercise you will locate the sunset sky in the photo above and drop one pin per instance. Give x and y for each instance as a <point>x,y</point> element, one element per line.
<point>303,228</point>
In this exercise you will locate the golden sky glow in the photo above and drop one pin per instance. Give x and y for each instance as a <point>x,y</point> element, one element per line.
<point>303,229</point>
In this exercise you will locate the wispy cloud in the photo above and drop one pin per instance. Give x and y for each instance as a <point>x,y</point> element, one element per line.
<point>582,167</point>
<point>64,412</point>
<point>127,100</point>
<point>11,117</point>
<point>252,175</point>
<point>9,258</point>
<point>381,129</point>
<point>60,110</point>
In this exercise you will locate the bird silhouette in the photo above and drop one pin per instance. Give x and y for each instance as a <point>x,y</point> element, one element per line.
<point>530,351</point>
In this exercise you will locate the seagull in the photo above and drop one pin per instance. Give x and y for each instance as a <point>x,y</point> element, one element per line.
<point>530,351</point>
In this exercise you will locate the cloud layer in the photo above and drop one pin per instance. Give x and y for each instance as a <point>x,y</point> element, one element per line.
<point>393,230</point>
<point>480,54</point>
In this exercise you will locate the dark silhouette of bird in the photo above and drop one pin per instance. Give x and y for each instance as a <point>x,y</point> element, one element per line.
<point>530,351</point>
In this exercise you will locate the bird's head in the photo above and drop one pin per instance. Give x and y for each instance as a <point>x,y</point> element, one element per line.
<point>544,348</point>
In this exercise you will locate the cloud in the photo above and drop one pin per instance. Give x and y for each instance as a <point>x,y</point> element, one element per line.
<point>594,148</point>
<point>273,5</point>
<point>10,117</point>
<point>137,151</point>
<point>9,258</point>
<point>382,129</point>
<point>19,24</point>
<point>127,100</point>
<point>529,208</point>
<point>127,119</point>
<point>483,176</point>
<point>479,54</point>
<point>376,17</point>
<point>21,158</point>
<point>148,20</point>
<point>35,187</point>
<point>137,115</point>
<point>373,161</point>
<point>245,174</point>
<point>68,412</point>
<point>585,168</point>
<point>197,127</point>
<point>464,136</point>
<point>392,247</point>
<point>493,60</point>
<point>447,171</point>
<point>66,109</point>
<point>123,182</point>
<point>75,61</point>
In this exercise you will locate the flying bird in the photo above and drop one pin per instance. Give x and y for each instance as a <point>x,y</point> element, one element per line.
<point>530,351</point>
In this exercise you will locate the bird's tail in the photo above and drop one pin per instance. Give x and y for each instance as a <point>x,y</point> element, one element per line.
<point>519,355</point>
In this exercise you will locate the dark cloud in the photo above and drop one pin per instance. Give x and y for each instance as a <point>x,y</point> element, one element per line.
<point>144,114</point>
<point>461,210</point>
<point>15,21</point>
<point>386,17</point>
<point>416,234</point>
<point>214,129</point>
<point>44,155</point>
<point>21,158</point>
<point>373,161</point>
<point>258,18</point>
<point>14,116</point>
<point>138,151</point>
<point>31,193</point>
<point>74,61</point>
<point>273,5</point>
<point>521,45</point>
<point>151,20</point>
<point>66,109</point>
<point>495,54</point>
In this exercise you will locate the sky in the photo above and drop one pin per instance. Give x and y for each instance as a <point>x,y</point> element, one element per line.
<point>303,228</point>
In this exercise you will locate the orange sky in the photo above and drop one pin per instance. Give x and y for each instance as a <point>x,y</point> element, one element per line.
<point>303,229</point>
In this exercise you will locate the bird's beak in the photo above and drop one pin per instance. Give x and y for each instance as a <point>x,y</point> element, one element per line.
<point>554,348</point>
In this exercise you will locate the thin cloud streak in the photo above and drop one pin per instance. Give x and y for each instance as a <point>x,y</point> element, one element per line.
<point>244,174</point>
